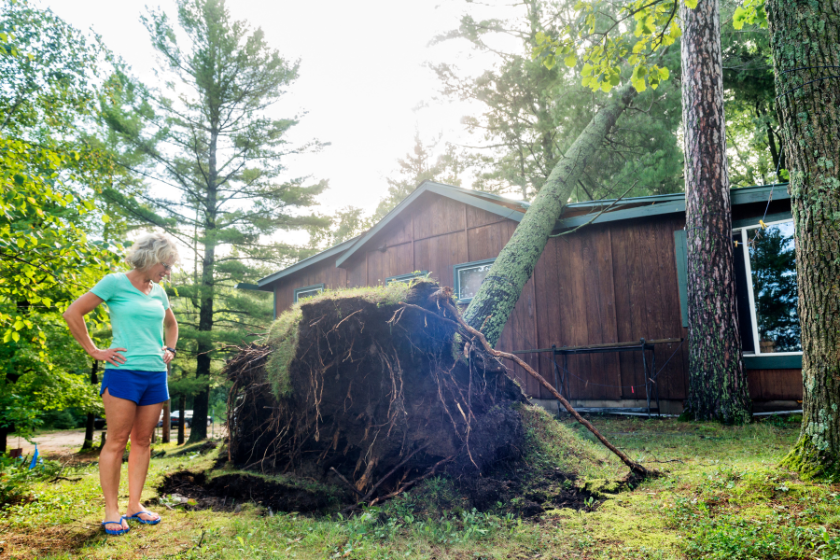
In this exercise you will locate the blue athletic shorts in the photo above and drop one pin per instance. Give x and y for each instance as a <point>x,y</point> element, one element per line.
<point>140,387</point>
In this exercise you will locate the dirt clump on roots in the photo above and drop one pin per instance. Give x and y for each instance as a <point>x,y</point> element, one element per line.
<point>373,390</point>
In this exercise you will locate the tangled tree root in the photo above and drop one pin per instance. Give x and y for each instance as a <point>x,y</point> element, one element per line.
<point>376,398</point>
<point>374,390</point>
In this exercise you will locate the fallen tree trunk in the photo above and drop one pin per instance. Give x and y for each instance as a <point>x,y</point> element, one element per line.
<point>491,307</point>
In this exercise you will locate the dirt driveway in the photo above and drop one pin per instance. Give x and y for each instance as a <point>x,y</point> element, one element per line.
<point>69,441</point>
<point>58,442</point>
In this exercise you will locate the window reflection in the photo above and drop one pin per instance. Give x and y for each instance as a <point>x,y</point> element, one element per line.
<point>470,279</point>
<point>773,263</point>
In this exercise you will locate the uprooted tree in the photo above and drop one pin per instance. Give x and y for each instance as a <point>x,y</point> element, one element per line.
<point>378,393</point>
<point>376,389</point>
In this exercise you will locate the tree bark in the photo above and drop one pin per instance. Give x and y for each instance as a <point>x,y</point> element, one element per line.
<point>165,435</point>
<point>805,42</point>
<point>492,305</point>
<point>181,428</point>
<point>201,401</point>
<point>717,380</point>
<point>91,417</point>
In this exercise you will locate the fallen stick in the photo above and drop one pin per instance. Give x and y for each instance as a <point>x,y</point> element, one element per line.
<point>444,299</point>
<point>347,482</point>
<point>392,471</point>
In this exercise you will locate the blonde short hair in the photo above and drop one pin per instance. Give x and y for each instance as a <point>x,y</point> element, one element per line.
<point>151,249</point>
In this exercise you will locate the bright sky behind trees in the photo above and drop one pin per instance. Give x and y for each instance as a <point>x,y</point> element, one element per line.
<point>362,78</point>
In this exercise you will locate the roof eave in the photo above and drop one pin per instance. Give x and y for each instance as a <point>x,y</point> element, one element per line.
<point>332,251</point>
<point>448,191</point>
<point>671,204</point>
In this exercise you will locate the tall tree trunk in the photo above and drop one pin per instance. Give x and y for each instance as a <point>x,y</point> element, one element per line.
<point>182,401</point>
<point>513,267</point>
<point>11,378</point>
<point>166,432</point>
<point>201,401</point>
<point>805,42</point>
<point>717,380</point>
<point>91,417</point>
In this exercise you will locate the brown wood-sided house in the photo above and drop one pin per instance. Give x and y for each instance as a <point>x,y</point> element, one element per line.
<point>621,278</point>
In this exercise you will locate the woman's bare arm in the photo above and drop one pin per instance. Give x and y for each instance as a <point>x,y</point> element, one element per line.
<point>75,317</point>
<point>170,326</point>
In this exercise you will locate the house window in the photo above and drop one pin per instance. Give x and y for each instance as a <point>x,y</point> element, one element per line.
<point>468,278</point>
<point>765,276</point>
<point>308,292</point>
<point>407,278</point>
<point>769,276</point>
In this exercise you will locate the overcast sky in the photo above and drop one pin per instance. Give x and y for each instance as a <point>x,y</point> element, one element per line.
<point>362,76</point>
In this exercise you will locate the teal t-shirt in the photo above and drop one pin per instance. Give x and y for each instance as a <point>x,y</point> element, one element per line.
<point>136,321</point>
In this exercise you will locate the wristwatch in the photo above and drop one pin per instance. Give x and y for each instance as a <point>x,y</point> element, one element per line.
<point>174,352</point>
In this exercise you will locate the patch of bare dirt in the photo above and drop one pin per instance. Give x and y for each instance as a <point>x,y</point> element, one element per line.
<point>226,492</point>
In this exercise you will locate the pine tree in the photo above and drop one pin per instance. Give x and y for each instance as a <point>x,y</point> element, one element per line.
<point>220,158</point>
<point>717,379</point>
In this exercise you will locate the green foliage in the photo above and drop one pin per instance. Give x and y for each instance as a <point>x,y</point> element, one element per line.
<point>530,115</point>
<point>64,419</point>
<point>16,478</point>
<point>598,28</point>
<point>48,175</point>
<point>751,12</point>
<point>54,233</point>
<point>31,385</point>
<point>606,48</point>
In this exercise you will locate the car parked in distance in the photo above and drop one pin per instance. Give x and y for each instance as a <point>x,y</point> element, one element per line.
<point>175,418</point>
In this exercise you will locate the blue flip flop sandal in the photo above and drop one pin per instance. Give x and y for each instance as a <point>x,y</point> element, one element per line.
<point>136,517</point>
<point>115,532</point>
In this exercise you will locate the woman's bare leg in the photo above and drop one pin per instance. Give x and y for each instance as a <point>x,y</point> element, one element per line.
<point>145,420</point>
<point>119,415</point>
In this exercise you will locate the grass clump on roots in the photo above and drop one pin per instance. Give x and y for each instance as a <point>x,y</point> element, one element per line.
<point>569,448</point>
<point>283,334</point>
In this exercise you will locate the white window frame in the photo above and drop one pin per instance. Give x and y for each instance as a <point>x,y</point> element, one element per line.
<point>744,246</point>
<point>300,292</point>
<point>458,268</point>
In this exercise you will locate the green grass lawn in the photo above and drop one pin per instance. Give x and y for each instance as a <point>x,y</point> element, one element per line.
<point>721,497</point>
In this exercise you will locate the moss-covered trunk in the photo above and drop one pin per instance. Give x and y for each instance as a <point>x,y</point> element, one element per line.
<point>805,41</point>
<point>503,284</point>
<point>717,380</point>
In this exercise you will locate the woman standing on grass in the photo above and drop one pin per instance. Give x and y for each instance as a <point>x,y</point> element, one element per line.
<point>134,385</point>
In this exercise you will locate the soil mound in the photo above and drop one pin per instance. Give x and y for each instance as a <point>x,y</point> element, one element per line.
<point>224,492</point>
<point>357,389</point>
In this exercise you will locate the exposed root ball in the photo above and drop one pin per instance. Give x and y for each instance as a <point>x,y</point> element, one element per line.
<point>357,390</point>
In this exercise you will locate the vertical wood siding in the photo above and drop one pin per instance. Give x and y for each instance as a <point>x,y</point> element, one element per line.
<point>615,282</point>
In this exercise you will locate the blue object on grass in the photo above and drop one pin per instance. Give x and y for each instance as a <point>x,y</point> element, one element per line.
<point>34,462</point>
